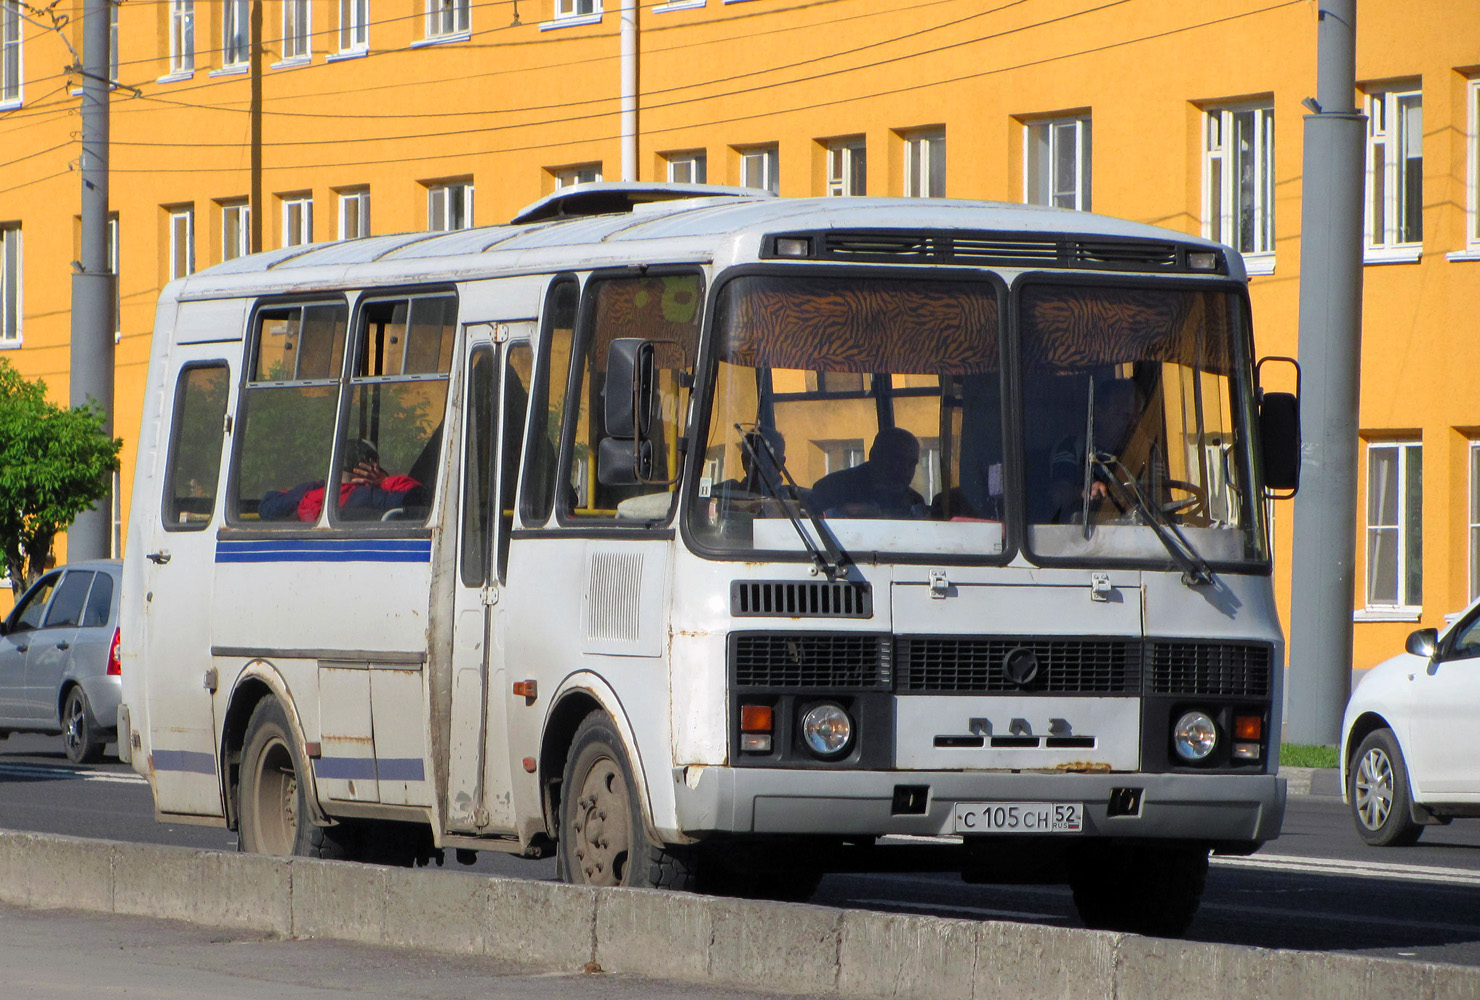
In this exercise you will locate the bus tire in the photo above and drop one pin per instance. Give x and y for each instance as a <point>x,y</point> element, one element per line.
<point>1140,888</point>
<point>602,837</point>
<point>272,797</point>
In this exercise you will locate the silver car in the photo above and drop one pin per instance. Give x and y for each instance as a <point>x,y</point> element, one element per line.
<point>59,668</point>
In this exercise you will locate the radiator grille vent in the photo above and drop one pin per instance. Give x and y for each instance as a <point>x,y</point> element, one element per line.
<point>1000,249</point>
<point>976,665</point>
<point>810,660</point>
<point>801,599</point>
<point>1201,668</point>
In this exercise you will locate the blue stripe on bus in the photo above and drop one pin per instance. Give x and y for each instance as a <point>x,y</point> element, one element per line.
<point>370,768</point>
<point>190,761</point>
<point>324,550</point>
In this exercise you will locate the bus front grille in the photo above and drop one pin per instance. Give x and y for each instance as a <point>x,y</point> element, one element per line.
<point>809,660</point>
<point>801,599</point>
<point>979,665</point>
<point>1208,668</point>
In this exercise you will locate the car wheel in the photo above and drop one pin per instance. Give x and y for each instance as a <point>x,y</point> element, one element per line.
<point>602,839</point>
<point>81,738</point>
<point>1377,787</point>
<point>272,795</point>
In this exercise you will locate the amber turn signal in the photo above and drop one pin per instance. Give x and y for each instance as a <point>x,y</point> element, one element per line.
<point>1248,727</point>
<point>755,718</point>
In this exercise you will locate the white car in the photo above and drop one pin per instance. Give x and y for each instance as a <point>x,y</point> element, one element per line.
<point>1409,758</point>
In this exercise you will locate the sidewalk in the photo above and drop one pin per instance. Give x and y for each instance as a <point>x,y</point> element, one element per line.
<point>1323,781</point>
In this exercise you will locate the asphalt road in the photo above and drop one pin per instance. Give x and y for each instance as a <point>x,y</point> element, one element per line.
<point>1318,887</point>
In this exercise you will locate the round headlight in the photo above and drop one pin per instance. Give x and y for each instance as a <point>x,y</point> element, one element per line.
<point>1194,736</point>
<point>827,730</point>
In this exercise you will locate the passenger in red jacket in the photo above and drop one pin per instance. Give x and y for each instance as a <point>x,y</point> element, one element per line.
<point>365,493</point>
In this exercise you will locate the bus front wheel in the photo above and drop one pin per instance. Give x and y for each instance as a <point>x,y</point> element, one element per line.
<point>1143,888</point>
<point>602,838</point>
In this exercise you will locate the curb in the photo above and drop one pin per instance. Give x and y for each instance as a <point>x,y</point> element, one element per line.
<point>1324,782</point>
<point>781,947</point>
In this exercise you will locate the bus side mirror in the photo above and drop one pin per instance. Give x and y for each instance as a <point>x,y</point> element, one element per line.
<point>1279,436</point>
<point>625,455</point>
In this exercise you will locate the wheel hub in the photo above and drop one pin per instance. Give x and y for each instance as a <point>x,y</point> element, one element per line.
<point>1374,783</point>
<point>600,824</point>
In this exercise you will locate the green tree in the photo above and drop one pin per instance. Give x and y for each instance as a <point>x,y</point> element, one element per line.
<point>55,463</point>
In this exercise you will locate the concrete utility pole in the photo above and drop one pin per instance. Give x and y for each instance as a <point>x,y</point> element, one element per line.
<point>254,202</point>
<point>1324,558</point>
<point>629,89</point>
<point>91,535</point>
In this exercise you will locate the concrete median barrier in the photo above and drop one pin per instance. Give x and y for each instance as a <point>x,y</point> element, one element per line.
<point>779,947</point>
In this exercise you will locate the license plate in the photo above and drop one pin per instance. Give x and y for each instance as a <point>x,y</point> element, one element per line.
<point>1019,817</point>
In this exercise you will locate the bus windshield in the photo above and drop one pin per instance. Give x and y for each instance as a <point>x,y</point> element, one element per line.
<point>875,404</point>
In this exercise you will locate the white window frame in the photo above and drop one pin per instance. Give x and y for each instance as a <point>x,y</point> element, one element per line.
<point>113,270</point>
<point>12,79</point>
<point>1376,527</point>
<point>10,285</point>
<point>1472,156</point>
<point>1043,142</point>
<point>297,231</point>
<point>1394,121</point>
<point>354,26</point>
<point>687,168</point>
<point>354,205</point>
<point>236,229</point>
<point>182,37</point>
<point>760,168</point>
<point>567,9</point>
<point>449,207</point>
<point>847,168</point>
<point>1474,521</point>
<point>182,242</point>
<point>1238,181</point>
<point>297,31</point>
<point>236,33</point>
<point>925,164</point>
<point>581,173</point>
<point>448,18</point>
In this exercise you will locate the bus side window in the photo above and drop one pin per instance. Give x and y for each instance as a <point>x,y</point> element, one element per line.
<point>518,368</point>
<point>548,402</point>
<point>196,440</point>
<point>287,411</point>
<point>664,309</point>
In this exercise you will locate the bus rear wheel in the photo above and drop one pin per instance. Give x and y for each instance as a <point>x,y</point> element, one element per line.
<point>602,837</point>
<point>272,797</point>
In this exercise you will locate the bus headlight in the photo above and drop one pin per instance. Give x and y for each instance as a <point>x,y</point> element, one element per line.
<point>1194,736</point>
<point>827,730</point>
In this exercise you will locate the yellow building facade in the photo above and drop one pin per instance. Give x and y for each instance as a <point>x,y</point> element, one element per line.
<point>379,116</point>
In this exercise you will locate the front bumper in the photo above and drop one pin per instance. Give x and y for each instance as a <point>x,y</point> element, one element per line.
<point>1222,808</point>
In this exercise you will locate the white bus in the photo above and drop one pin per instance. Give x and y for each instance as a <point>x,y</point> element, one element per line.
<point>715,540</point>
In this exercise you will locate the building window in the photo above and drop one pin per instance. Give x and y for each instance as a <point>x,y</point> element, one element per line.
<point>1472,141</point>
<point>354,214</point>
<point>297,221</point>
<point>925,165</point>
<point>761,168</point>
<point>182,36</point>
<point>447,17</point>
<point>581,173</point>
<point>1394,524</point>
<point>10,51</point>
<point>113,270</point>
<point>1238,178</point>
<point>1394,168</point>
<point>1475,519</point>
<point>236,230</point>
<point>577,8</point>
<point>296,30</point>
<point>354,25</point>
<point>847,167</point>
<point>10,285</point>
<point>449,207</point>
<point>687,168</point>
<point>236,32</point>
<point>1056,163</point>
<point>182,242</point>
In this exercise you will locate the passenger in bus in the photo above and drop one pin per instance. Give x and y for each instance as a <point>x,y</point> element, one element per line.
<point>367,491</point>
<point>760,476</point>
<point>1118,408</point>
<point>879,487</point>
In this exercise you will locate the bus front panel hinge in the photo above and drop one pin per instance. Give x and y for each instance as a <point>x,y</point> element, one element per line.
<point>1099,587</point>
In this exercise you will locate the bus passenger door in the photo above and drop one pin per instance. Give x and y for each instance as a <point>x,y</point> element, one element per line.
<point>495,399</point>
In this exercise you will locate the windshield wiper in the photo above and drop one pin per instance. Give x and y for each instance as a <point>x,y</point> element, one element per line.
<point>831,557</point>
<point>1195,569</point>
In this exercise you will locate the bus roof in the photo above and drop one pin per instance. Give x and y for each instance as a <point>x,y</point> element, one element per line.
<point>697,223</point>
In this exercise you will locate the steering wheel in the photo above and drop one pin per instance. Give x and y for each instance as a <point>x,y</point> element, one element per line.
<point>1192,507</point>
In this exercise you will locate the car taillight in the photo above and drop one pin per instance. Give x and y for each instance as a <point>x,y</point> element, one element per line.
<point>115,666</point>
